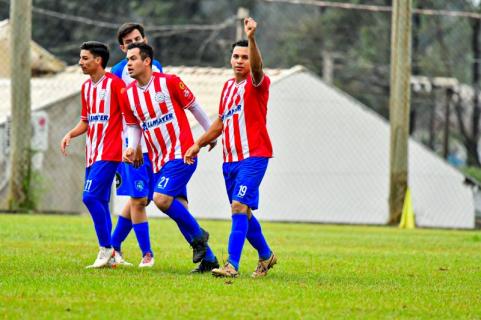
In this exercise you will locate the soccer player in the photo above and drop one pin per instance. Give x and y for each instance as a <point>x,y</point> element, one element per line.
<point>101,119</point>
<point>247,149</point>
<point>133,180</point>
<point>155,105</point>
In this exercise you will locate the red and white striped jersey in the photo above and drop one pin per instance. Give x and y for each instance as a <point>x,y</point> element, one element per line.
<point>243,111</point>
<point>101,109</point>
<point>158,108</point>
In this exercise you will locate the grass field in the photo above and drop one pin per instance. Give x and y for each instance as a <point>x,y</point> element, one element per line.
<point>323,272</point>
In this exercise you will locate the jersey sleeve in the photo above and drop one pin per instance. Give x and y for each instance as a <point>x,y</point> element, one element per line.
<point>221,105</point>
<point>127,112</point>
<point>180,91</point>
<point>84,112</point>
<point>157,66</point>
<point>263,85</point>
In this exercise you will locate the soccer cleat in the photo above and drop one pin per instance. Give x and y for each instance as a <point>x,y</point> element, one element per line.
<point>227,270</point>
<point>199,246</point>
<point>118,260</point>
<point>264,265</point>
<point>147,261</point>
<point>103,258</point>
<point>206,266</point>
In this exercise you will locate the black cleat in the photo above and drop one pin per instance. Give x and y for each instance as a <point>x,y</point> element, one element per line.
<point>206,266</point>
<point>199,246</point>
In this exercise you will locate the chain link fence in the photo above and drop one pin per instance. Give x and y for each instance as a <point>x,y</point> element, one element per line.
<point>345,57</point>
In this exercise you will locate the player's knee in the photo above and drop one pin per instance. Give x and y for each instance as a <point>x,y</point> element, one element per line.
<point>89,199</point>
<point>138,203</point>
<point>238,207</point>
<point>162,201</point>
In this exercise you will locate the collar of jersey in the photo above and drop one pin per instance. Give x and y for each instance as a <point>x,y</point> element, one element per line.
<point>146,86</point>
<point>94,84</point>
<point>240,83</point>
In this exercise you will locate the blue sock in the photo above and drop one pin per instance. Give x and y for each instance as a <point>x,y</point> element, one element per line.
<point>108,218</point>
<point>237,237</point>
<point>121,232</point>
<point>257,240</point>
<point>96,208</point>
<point>186,222</point>
<point>185,233</point>
<point>143,237</point>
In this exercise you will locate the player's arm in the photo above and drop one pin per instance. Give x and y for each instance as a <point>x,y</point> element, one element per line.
<point>133,152</point>
<point>134,132</point>
<point>202,118</point>
<point>79,129</point>
<point>255,59</point>
<point>138,157</point>
<point>214,131</point>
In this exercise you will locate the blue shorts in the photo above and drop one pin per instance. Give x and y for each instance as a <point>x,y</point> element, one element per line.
<point>172,179</point>
<point>243,178</point>
<point>98,179</point>
<point>135,182</point>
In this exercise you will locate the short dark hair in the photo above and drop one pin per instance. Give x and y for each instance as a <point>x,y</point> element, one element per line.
<point>146,51</point>
<point>127,28</point>
<point>98,49</point>
<point>240,43</point>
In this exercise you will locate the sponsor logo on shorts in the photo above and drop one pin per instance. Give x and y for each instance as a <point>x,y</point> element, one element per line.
<point>139,185</point>
<point>118,180</point>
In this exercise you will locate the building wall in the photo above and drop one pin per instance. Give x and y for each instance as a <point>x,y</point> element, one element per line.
<point>62,177</point>
<point>58,180</point>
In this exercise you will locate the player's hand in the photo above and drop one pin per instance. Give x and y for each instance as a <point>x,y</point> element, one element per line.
<point>138,157</point>
<point>65,143</point>
<point>250,26</point>
<point>129,155</point>
<point>212,145</point>
<point>191,153</point>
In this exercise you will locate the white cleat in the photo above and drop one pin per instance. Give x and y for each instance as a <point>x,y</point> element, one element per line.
<point>118,260</point>
<point>103,258</point>
<point>147,261</point>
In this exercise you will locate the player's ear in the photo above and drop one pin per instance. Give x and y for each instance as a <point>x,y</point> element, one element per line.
<point>123,48</point>
<point>146,40</point>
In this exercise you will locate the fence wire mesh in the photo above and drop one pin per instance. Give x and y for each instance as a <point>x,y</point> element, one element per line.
<point>347,48</point>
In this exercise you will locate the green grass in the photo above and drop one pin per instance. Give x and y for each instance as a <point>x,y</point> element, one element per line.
<point>323,272</point>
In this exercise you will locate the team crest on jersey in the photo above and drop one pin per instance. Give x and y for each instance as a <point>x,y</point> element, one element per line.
<point>186,93</point>
<point>181,85</point>
<point>102,94</point>
<point>159,97</point>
